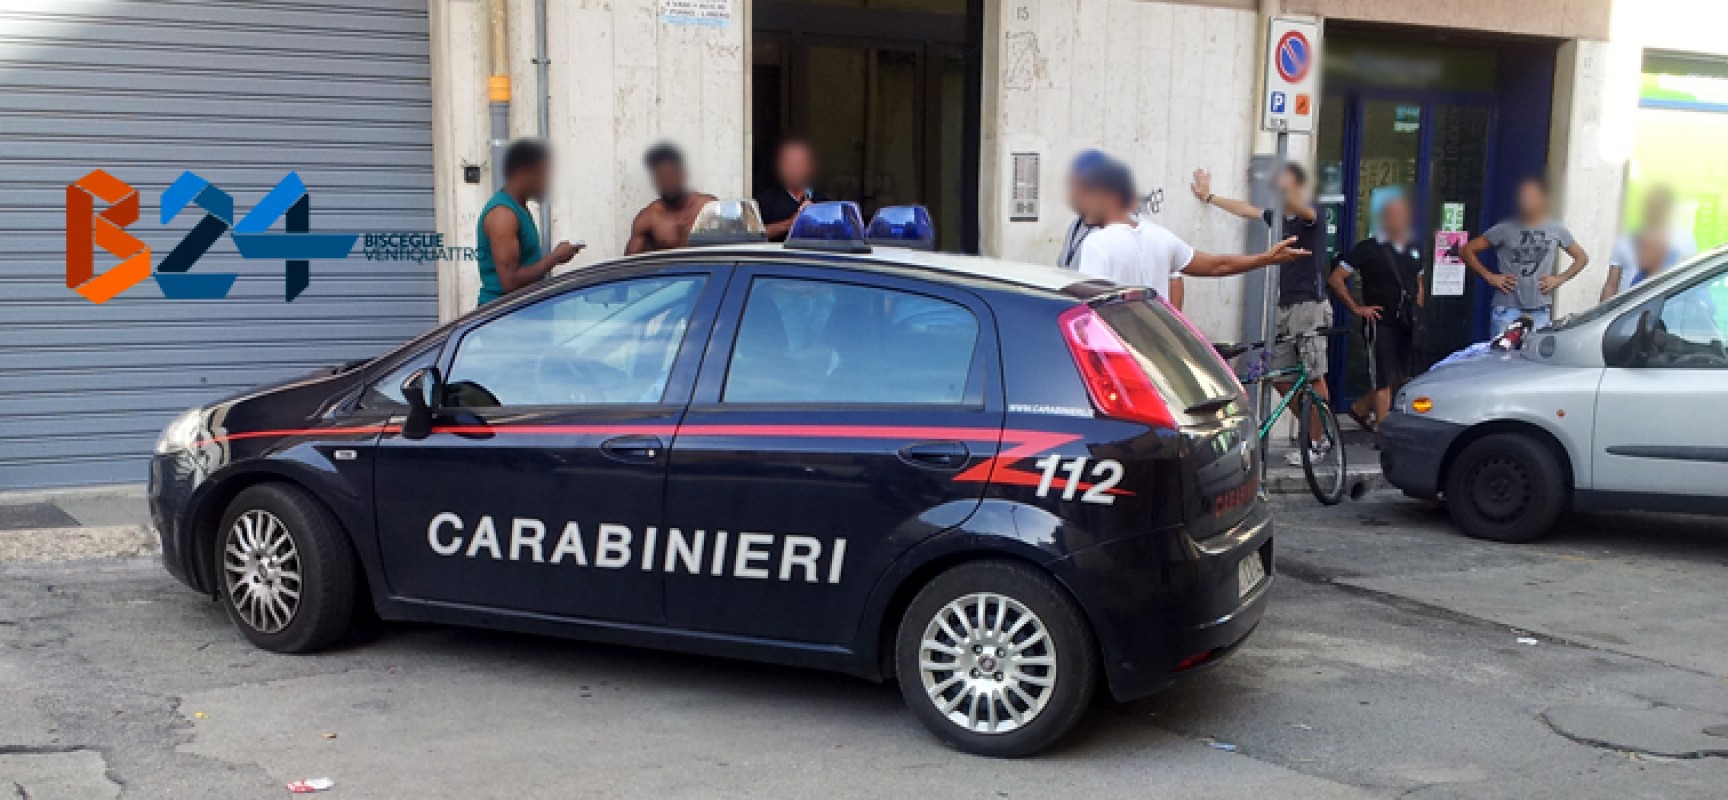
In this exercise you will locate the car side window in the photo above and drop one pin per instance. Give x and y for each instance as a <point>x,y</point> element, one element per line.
<point>819,342</point>
<point>386,392</point>
<point>605,344</point>
<point>1690,330</point>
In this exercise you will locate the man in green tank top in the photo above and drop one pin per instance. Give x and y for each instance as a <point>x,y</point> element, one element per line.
<point>509,251</point>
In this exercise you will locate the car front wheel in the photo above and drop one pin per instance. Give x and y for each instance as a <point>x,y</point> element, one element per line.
<point>996,659</point>
<point>1505,487</point>
<point>285,571</point>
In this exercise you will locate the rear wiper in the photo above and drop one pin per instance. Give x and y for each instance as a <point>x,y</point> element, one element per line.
<point>1210,404</point>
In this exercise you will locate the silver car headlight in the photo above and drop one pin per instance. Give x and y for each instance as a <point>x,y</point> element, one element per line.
<point>182,433</point>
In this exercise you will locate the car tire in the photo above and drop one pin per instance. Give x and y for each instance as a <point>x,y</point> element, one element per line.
<point>288,560</point>
<point>1011,692</point>
<point>1505,487</point>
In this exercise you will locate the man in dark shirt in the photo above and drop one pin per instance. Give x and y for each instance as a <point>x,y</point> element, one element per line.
<point>1390,266</point>
<point>794,169</point>
<point>1302,303</point>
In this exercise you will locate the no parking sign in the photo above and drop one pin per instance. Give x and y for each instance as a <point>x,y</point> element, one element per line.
<point>1292,51</point>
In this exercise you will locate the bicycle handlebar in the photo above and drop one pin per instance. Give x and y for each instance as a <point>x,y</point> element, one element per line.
<point>1229,350</point>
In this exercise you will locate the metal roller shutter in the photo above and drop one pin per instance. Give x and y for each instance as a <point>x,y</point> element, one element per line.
<point>241,92</point>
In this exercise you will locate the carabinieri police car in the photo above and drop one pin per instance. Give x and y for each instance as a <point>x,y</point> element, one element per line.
<point>998,484</point>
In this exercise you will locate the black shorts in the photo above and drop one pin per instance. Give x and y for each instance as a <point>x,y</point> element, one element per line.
<point>1391,353</point>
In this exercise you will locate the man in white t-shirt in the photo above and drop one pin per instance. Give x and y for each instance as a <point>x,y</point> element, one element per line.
<point>1146,254</point>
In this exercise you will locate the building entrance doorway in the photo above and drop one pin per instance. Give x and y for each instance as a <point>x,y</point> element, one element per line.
<point>1428,120</point>
<point>887,94</point>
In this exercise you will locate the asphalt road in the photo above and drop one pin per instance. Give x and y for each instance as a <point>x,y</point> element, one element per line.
<point>1389,665</point>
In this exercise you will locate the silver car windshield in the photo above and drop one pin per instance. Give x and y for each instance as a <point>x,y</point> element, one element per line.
<point>1686,270</point>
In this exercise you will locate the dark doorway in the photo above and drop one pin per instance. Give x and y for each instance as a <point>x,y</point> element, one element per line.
<point>886,91</point>
<point>1451,125</point>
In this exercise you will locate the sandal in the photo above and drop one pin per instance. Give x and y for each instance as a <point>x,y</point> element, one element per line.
<point>1361,421</point>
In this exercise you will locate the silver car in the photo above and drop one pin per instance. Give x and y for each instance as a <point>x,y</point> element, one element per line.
<point>1618,407</point>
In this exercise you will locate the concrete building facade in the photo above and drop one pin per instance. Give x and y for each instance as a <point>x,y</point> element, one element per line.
<point>1170,86</point>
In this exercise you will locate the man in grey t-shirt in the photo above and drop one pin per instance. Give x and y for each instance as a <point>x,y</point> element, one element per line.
<point>1527,247</point>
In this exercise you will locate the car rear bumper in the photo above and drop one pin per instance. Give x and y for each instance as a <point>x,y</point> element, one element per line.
<point>1165,605</point>
<point>1412,451</point>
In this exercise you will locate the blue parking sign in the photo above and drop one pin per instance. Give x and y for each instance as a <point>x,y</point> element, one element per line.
<point>1277,102</point>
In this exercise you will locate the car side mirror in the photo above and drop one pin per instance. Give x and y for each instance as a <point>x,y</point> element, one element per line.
<point>421,390</point>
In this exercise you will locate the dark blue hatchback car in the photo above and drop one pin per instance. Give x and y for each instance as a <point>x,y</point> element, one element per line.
<point>998,484</point>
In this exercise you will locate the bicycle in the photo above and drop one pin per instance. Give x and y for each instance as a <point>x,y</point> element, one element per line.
<point>1324,465</point>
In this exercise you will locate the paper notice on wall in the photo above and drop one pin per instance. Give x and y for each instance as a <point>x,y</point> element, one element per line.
<point>705,13</point>
<point>1449,263</point>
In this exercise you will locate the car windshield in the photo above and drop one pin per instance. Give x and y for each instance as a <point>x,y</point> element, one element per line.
<point>1644,290</point>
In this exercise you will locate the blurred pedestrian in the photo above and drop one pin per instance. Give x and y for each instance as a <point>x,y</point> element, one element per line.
<point>1654,247</point>
<point>794,187</point>
<point>1144,253</point>
<point>1527,246</point>
<point>1389,264</point>
<point>507,248</point>
<point>665,223</point>
<point>1081,227</point>
<point>1302,303</point>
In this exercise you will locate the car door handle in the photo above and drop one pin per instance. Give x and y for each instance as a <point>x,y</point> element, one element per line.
<point>936,455</point>
<point>633,448</point>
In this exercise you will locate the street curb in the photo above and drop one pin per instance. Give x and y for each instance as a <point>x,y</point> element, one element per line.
<point>1357,482</point>
<point>112,490</point>
<point>67,544</point>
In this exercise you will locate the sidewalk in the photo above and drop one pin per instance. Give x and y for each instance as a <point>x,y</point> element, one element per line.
<point>1361,464</point>
<point>84,522</point>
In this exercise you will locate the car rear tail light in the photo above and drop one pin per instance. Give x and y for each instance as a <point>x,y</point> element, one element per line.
<point>1118,385</point>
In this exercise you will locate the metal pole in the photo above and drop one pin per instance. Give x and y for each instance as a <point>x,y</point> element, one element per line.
<point>545,100</point>
<point>1269,285</point>
<point>498,88</point>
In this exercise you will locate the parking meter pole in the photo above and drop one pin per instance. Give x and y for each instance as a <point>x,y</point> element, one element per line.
<point>1269,289</point>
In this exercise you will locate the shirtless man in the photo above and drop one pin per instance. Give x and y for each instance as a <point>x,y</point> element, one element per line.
<point>665,223</point>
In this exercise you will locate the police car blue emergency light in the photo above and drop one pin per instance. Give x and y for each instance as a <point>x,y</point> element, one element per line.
<point>902,226</point>
<point>836,226</point>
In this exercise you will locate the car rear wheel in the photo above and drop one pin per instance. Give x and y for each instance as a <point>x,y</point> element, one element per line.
<point>285,571</point>
<point>1506,487</point>
<point>996,659</point>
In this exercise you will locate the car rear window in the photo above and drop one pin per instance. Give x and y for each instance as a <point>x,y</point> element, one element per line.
<point>1184,365</point>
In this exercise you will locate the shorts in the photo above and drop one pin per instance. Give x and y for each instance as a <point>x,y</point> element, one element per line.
<point>1303,317</point>
<point>1391,353</point>
<point>1503,317</point>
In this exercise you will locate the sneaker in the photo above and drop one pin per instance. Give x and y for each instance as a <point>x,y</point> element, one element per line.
<point>1294,457</point>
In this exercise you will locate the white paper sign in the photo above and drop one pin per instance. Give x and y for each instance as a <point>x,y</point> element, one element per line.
<point>704,13</point>
<point>1449,268</point>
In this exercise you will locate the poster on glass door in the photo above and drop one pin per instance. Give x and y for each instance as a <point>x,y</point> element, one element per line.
<point>1449,263</point>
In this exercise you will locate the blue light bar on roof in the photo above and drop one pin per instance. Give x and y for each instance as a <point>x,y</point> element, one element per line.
<point>829,226</point>
<point>902,226</point>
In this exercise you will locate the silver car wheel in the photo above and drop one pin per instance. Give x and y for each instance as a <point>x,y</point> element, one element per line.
<point>987,663</point>
<point>262,568</point>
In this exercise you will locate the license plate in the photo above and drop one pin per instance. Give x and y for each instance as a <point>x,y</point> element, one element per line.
<point>1249,573</point>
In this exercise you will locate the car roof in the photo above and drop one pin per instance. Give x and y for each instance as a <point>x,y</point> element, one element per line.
<point>1017,273</point>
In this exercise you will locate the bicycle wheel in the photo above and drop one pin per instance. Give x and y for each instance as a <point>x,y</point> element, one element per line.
<point>1322,456</point>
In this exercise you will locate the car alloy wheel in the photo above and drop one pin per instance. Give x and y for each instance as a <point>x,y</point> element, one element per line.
<point>988,663</point>
<point>262,568</point>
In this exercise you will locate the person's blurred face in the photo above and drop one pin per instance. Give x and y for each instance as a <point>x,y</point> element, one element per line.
<point>1096,205</point>
<point>535,179</point>
<point>1652,253</point>
<point>668,178</point>
<point>796,166</point>
<point>1395,219</point>
<point>1532,200</point>
<point>1076,195</point>
<point>1294,191</point>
